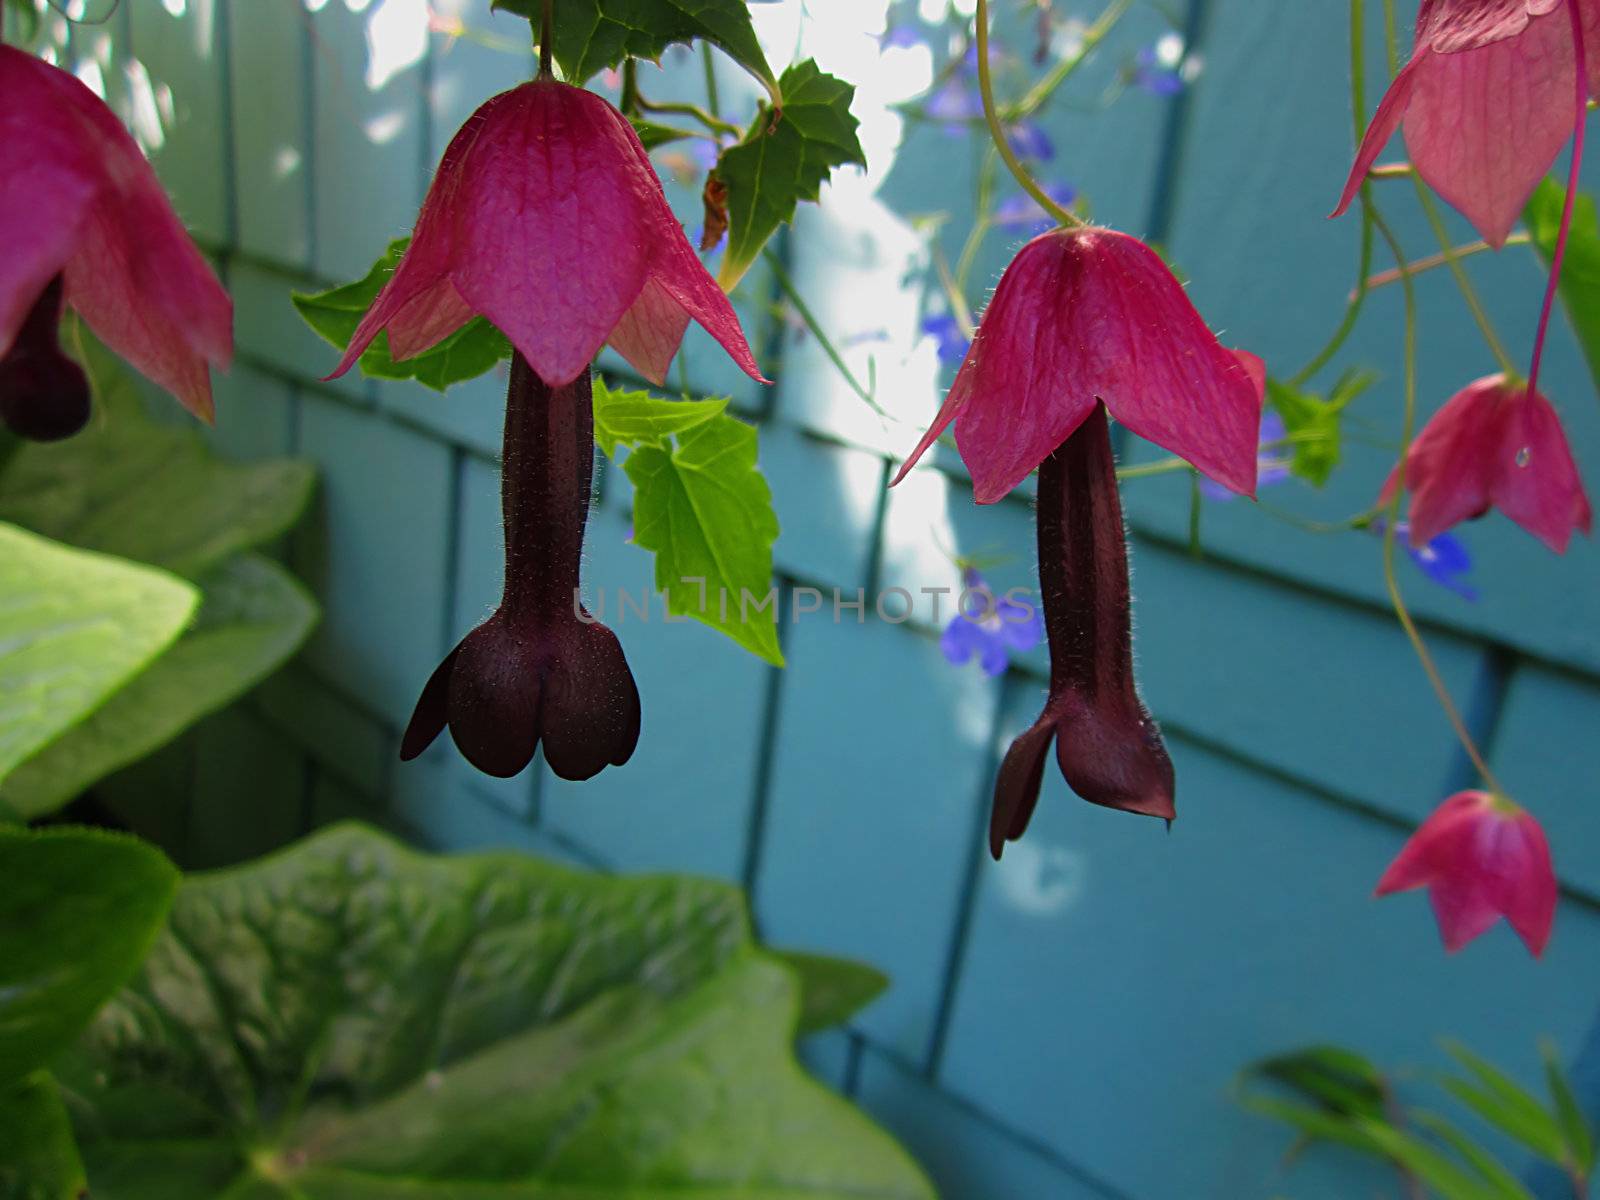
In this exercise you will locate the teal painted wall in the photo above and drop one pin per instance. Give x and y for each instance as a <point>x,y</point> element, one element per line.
<point>1066,1024</point>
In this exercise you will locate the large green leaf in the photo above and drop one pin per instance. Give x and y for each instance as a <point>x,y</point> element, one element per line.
<point>467,353</point>
<point>78,911</point>
<point>254,617</point>
<point>706,512</point>
<point>832,990</point>
<point>1580,271</point>
<point>785,158</point>
<point>150,492</point>
<point>349,1020</point>
<point>591,35</point>
<point>38,1156</point>
<point>74,627</point>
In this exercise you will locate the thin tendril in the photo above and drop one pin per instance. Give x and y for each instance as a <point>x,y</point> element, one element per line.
<point>1581,110</point>
<point>1392,515</point>
<point>1452,258</point>
<point>998,134</point>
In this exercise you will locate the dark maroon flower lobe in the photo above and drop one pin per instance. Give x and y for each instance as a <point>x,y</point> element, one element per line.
<point>541,669</point>
<point>1107,745</point>
<point>44,395</point>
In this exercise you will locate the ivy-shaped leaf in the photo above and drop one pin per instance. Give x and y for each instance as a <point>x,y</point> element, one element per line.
<point>784,158</point>
<point>74,628</point>
<point>349,1018</point>
<point>1580,269</point>
<point>832,990</point>
<point>591,35</point>
<point>640,419</point>
<point>467,353</point>
<point>254,617</point>
<point>155,493</point>
<point>706,512</point>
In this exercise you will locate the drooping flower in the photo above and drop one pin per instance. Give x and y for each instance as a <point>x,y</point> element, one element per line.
<point>989,627</point>
<point>1088,315</point>
<point>547,218</point>
<point>1481,858</point>
<point>1272,460</point>
<point>1486,101</point>
<point>1085,320</point>
<point>1495,445</point>
<point>540,669</point>
<point>86,226</point>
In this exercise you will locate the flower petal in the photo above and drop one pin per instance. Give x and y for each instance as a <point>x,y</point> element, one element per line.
<point>1384,122</point>
<point>1016,787</point>
<point>1484,125</point>
<point>650,332</point>
<point>1534,479</point>
<point>1450,467</point>
<point>1451,25</point>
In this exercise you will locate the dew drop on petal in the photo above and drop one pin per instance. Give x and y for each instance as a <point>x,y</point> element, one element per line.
<point>1524,456</point>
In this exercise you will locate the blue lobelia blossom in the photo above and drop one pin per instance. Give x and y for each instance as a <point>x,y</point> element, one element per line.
<point>990,627</point>
<point>1029,141</point>
<point>1445,560</point>
<point>946,330</point>
<point>1154,74</point>
<point>1022,211</point>
<point>1272,459</point>
<point>902,37</point>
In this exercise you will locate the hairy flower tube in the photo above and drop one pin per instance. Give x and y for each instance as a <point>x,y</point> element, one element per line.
<point>1495,444</point>
<point>547,217</point>
<point>1481,858</point>
<point>86,226</point>
<point>540,669</point>
<point>1084,321</point>
<point>1486,102</point>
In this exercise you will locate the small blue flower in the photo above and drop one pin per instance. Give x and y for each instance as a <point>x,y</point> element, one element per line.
<point>1154,75</point>
<point>989,627</point>
<point>1272,458</point>
<point>946,330</point>
<point>1022,211</point>
<point>1028,140</point>
<point>1445,560</point>
<point>903,37</point>
<point>957,104</point>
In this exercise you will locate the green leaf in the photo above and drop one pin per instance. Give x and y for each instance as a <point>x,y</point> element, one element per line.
<point>1428,1164</point>
<point>1574,1124</point>
<point>38,1156</point>
<point>254,617</point>
<point>1501,1181</point>
<point>1313,1124</point>
<point>75,627</point>
<point>706,512</point>
<point>22,22</point>
<point>591,35</point>
<point>653,134</point>
<point>832,990</point>
<point>1580,269</point>
<point>1496,1098</point>
<point>349,1020</point>
<point>1313,424</point>
<point>784,158</point>
<point>154,493</point>
<point>1340,1080</point>
<point>467,353</point>
<point>640,419</point>
<point>78,912</point>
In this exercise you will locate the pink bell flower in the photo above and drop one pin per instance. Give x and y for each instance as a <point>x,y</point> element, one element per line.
<point>1486,101</point>
<point>1481,858</point>
<point>547,218</point>
<point>87,226</point>
<point>1087,320</point>
<point>1084,316</point>
<point>1494,445</point>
